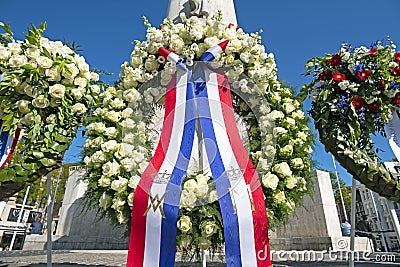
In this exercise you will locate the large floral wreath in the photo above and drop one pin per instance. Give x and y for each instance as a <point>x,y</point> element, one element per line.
<point>119,136</point>
<point>354,94</point>
<point>46,91</point>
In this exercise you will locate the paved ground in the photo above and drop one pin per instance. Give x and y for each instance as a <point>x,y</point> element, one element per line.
<point>101,258</point>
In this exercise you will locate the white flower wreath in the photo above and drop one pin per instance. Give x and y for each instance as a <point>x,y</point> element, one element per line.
<point>117,149</point>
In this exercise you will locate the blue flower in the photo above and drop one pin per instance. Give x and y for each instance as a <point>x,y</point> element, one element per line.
<point>359,67</point>
<point>342,104</point>
<point>361,114</point>
<point>394,86</point>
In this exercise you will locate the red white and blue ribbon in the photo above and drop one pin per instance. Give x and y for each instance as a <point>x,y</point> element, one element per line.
<point>155,208</point>
<point>157,197</point>
<point>7,141</point>
<point>7,144</point>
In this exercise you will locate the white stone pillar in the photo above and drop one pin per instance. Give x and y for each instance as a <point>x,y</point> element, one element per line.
<point>202,8</point>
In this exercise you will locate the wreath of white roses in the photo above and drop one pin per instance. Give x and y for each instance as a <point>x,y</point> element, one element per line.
<point>119,136</point>
<point>46,90</point>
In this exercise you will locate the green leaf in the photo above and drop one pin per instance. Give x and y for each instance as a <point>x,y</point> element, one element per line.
<point>48,162</point>
<point>38,154</point>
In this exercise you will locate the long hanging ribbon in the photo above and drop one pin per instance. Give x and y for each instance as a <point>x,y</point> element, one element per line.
<point>392,130</point>
<point>7,141</point>
<point>156,199</point>
<point>153,236</point>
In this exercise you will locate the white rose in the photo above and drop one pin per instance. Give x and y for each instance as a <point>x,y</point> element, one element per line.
<point>134,182</point>
<point>117,103</point>
<point>176,45</point>
<point>80,82</point>
<point>288,107</point>
<point>98,157</point>
<point>111,132</point>
<point>118,204</point>
<point>126,113</point>
<point>32,52</point>
<point>77,93</point>
<point>95,88</point>
<point>15,48</point>
<point>23,106</point>
<point>17,61</point>
<point>70,71</point>
<point>127,164</point>
<point>136,60</point>
<point>4,53</point>
<point>208,228</point>
<point>44,62</point>
<point>57,90</point>
<point>119,185</point>
<point>40,102</point>
<point>130,199</point>
<point>79,108</point>
<point>280,131</point>
<point>297,163</point>
<point>211,41</point>
<point>286,151</point>
<point>298,115</point>
<point>128,123</point>
<point>212,196</point>
<point>110,168</point>
<point>110,146</point>
<point>53,74</point>
<point>289,123</point>
<point>282,169</point>
<point>188,199</point>
<point>184,224</point>
<point>302,136</point>
<point>151,63</point>
<point>190,185</point>
<point>270,180</point>
<point>113,116</point>
<point>275,115</point>
<point>280,196</point>
<point>291,182</point>
<point>104,181</point>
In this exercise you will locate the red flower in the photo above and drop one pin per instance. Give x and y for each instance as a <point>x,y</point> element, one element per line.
<point>336,60</point>
<point>372,51</point>
<point>397,98</point>
<point>338,76</point>
<point>363,75</point>
<point>324,76</point>
<point>382,84</point>
<point>396,71</point>
<point>374,106</point>
<point>358,102</point>
<point>397,57</point>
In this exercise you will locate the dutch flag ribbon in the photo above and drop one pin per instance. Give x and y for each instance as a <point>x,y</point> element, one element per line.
<point>7,141</point>
<point>205,94</point>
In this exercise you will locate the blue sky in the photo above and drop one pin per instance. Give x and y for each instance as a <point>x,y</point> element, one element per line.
<point>293,30</point>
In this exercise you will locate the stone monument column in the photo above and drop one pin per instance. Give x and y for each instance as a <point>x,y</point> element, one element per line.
<point>202,8</point>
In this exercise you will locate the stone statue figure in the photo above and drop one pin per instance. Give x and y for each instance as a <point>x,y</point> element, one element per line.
<point>202,8</point>
<point>198,8</point>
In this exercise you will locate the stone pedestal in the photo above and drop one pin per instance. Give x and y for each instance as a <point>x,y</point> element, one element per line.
<point>315,225</point>
<point>79,227</point>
